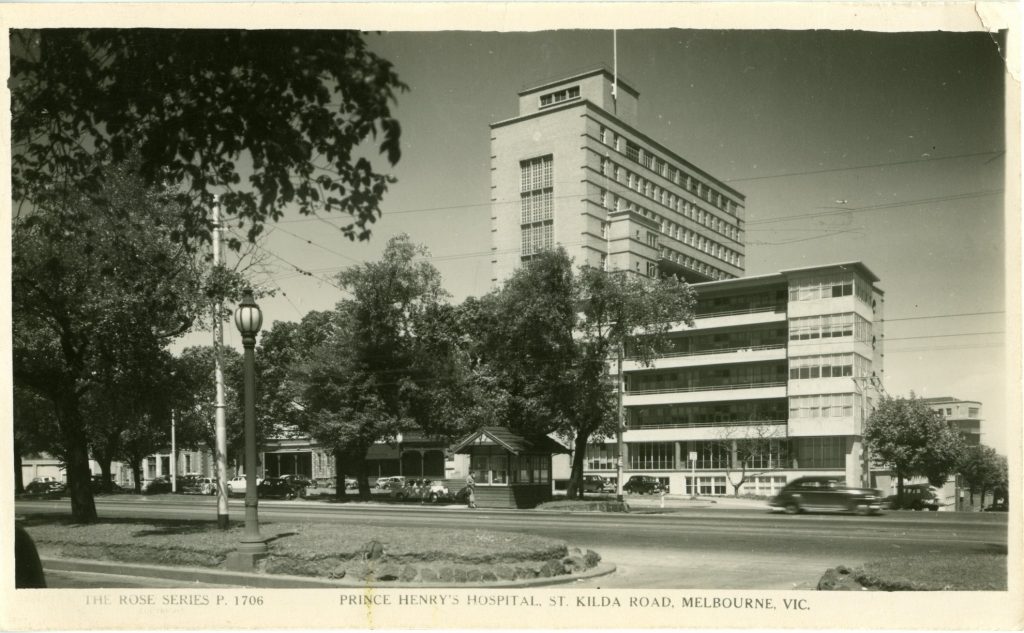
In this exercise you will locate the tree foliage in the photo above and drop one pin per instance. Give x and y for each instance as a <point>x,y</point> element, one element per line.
<point>548,335</point>
<point>273,119</point>
<point>983,470</point>
<point>377,364</point>
<point>912,439</point>
<point>97,291</point>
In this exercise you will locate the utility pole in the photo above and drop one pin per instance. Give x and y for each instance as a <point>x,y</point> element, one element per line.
<point>174,458</point>
<point>218,371</point>
<point>620,425</point>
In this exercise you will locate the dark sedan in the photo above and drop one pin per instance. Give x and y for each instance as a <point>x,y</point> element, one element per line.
<point>279,488</point>
<point>826,494</point>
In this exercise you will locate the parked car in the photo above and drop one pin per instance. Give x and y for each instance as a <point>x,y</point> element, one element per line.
<point>298,480</point>
<point>45,489</point>
<point>915,497</point>
<point>597,483</point>
<point>644,484</point>
<point>826,493</point>
<point>200,486</point>
<point>422,489</point>
<point>351,483</point>
<point>279,488</point>
<point>390,483</point>
<point>236,485</point>
<point>999,506</point>
<point>158,485</point>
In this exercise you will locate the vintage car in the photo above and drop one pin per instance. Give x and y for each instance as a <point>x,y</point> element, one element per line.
<point>422,490</point>
<point>826,493</point>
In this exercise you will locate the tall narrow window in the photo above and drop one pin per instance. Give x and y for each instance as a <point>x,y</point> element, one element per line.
<point>536,183</point>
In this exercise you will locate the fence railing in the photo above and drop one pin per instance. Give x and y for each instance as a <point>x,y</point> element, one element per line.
<point>722,350</point>
<point>701,425</point>
<point>752,310</point>
<point>752,385</point>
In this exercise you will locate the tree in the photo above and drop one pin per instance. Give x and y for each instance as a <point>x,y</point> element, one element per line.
<point>88,301</point>
<point>751,450</point>
<point>286,110</point>
<point>370,373</point>
<point>35,429</point>
<point>548,336</point>
<point>982,469</point>
<point>912,439</point>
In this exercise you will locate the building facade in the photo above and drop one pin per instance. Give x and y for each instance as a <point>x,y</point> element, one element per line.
<point>573,169</point>
<point>771,362</point>
<point>962,415</point>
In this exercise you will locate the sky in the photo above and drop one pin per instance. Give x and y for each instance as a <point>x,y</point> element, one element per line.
<point>880,148</point>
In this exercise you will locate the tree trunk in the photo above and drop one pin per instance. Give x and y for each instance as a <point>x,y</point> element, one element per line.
<point>83,506</point>
<point>19,481</point>
<point>135,463</point>
<point>579,456</point>
<point>983,491</point>
<point>339,475</point>
<point>899,488</point>
<point>105,478</point>
<point>358,464</point>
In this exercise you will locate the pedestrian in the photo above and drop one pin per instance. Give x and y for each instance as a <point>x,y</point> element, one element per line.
<point>470,494</point>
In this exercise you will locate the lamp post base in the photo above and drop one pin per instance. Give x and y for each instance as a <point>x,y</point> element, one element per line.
<point>246,557</point>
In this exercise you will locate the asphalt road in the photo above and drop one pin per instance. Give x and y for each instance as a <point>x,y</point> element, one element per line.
<point>708,548</point>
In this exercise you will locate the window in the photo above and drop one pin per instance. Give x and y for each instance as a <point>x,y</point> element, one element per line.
<point>828,366</point>
<point>652,239</point>
<point>819,452</point>
<point>711,455</point>
<point>561,95</point>
<point>530,469</point>
<point>834,405</point>
<point>601,457</point>
<point>536,205</point>
<point>825,326</point>
<point>973,412</point>
<point>632,152</point>
<point>651,455</point>
<point>489,470</point>
<point>822,288</point>
<point>652,269</point>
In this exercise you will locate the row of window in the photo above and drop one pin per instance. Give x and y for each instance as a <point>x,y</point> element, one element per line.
<point>728,340</point>
<point>828,366</point>
<point>830,326</point>
<point>802,452</point>
<point>536,173</point>
<point>668,171</point>
<point>668,199</point>
<point>707,413</point>
<point>738,303</point>
<point>827,287</point>
<point>834,405</point>
<point>537,237</point>
<point>559,96</point>
<point>707,377</point>
<point>496,470</point>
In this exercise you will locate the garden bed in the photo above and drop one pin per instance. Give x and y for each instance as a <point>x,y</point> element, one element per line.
<point>584,505</point>
<point>366,553</point>
<point>931,572</point>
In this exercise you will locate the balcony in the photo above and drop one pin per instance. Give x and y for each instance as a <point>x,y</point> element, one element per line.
<point>711,393</point>
<point>705,431</point>
<point>744,354</point>
<point>737,317</point>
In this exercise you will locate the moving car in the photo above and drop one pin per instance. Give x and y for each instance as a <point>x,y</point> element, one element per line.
<point>298,480</point>
<point>279,488</point>
<point>597,483</point>
<point>828,493</point>
<point>644,484</point>
<point>915,497</point>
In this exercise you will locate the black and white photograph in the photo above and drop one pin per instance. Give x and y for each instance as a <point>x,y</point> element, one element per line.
<point>362,317</point>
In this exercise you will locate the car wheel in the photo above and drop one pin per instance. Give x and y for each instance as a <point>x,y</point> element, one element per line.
<point>861,509</point>
<point>792,507</point>
<point>433,497</point>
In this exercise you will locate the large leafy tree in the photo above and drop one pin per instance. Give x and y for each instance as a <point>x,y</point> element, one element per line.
<point>549,334</point>
<point>270,119</point>
<point>377,361</point>
<point>982,470</point>
<point>96,288</point>
<point>911,439</point>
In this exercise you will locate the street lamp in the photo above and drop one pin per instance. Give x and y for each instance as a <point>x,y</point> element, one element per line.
<point>253,547</point>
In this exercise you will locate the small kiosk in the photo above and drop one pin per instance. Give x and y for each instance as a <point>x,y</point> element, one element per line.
<point>511,471</point>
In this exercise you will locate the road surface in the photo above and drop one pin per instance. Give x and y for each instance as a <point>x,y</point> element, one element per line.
<point>706,548</point>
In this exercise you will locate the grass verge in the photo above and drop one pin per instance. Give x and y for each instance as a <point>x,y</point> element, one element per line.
<point>584,505</point>
<point>931,572</point>
<point>320,550</point>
